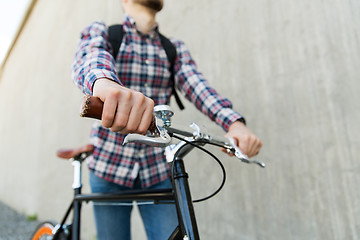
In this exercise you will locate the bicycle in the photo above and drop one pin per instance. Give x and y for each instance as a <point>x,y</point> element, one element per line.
<point>160,134</point>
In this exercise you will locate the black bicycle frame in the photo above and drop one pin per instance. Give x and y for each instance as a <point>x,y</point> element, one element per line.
<point>180,195</point>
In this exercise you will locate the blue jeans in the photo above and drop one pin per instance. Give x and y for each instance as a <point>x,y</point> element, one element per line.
<point>113,221</point>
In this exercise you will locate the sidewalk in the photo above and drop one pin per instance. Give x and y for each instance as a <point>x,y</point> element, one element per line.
<point>14,226</point>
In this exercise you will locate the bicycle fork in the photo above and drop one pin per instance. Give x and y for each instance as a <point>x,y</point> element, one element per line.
<point>184,205</point>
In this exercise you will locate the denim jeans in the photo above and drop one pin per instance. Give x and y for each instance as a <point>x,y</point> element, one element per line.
<point>113,221</point>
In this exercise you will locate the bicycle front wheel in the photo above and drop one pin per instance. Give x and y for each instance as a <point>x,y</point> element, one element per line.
<point>44,231</point>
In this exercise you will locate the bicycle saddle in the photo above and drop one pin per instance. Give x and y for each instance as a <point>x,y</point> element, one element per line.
<point>73,152</point>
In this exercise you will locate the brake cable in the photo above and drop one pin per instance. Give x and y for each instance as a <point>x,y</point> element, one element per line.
<point>209,153</point>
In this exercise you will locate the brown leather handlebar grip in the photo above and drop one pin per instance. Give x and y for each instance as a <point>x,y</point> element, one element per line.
<point>92,107</point>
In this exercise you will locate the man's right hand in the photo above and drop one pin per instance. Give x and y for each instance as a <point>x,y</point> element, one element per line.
<point>125,110</point>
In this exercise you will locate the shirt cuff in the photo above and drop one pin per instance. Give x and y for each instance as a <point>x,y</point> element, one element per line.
<point>99,73</point>
<point>226,116</point>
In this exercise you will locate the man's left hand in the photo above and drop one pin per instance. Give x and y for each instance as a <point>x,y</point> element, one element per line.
<point>248,142</point>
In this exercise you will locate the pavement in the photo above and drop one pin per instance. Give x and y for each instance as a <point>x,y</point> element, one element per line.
<point>15,226</point>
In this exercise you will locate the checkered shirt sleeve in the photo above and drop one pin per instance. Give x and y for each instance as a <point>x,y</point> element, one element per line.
<point>93,60</point>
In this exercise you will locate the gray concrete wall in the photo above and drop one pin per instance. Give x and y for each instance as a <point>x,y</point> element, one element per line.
<point>291,67</point>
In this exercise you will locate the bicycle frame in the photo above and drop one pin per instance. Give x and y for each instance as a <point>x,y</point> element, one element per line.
<point>179,194</point>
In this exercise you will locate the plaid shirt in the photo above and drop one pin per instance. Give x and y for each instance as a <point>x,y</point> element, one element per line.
<point>142,65</point>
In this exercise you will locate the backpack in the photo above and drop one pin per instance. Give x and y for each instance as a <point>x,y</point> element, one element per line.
<point>116,34</point>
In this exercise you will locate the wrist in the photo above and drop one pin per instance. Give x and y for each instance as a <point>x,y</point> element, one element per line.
<point>101,82</point>
<point>97,74</point>
<point>237,124</point>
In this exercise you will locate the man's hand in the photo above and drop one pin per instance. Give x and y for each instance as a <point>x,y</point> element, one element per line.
<point>125,110</point>
<point>248,142</point>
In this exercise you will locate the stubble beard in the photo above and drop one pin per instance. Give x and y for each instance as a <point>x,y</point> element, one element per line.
<point>155,5</point>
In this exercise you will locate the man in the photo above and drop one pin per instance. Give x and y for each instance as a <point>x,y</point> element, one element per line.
<point>130,86</point>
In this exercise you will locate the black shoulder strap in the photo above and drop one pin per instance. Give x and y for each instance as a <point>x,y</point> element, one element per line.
<point>170,50</point>
<point>116,34</point>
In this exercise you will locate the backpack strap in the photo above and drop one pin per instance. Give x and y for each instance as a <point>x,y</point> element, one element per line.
<point>170,50</point>
<point>116,34</point>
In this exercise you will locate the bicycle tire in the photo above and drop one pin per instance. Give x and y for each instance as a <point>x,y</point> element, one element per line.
<point>44,230</point>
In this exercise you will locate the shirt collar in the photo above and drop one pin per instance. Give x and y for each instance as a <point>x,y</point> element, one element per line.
<point>130,27</point>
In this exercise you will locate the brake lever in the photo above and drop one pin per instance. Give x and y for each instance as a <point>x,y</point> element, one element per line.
<point>158,135</point>
<point>241,156</point>
<point>162,141</point>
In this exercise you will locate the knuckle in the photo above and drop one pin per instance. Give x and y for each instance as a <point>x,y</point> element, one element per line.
<point>120,125</point>
<point>138,94</point>
<point>105,124</point>
<point>247,138</point>
<point>148,104</point>
<point>106,121</point>
<point>127,95</point>
<point>116,129</point>
<point>106,116</point>
<point>114,94</point>
<point>142,129</point>
<point>140,98</point>
<point>151,103</point>
<point>113,129</point>
<point>131,128</point>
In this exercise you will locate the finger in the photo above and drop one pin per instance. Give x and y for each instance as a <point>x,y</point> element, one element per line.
<point>109,111</point>
<point>259,146</point>
<point>121,120</point>
<point>251,146</point>
<point>122,113</point>
<point>136,113</point>
<point>243,145</point>
<point>255,145</point>
<point>147,117</point>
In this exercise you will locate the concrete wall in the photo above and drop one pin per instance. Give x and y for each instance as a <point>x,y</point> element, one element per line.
<point>291,67</point>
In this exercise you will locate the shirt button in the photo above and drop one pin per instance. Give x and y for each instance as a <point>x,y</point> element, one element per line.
<point>147,62</point>
<point>146,85</point>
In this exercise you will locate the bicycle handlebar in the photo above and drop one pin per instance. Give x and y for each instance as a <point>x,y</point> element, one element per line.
<point>160,133</point>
